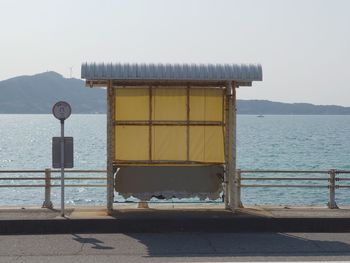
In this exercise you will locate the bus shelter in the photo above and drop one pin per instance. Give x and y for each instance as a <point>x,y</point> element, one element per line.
<point>171,129</point>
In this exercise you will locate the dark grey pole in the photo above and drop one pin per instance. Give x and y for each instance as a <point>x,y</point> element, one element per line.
<point>62,168</point>
<point>62,110</point>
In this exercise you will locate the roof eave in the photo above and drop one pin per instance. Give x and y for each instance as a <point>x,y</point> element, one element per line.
<point>184,83</point>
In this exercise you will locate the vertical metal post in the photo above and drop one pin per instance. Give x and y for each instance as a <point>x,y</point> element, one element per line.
<point>47,202</point>
<point>332,180</point>
<point>150,123</point>
<point>227,132</point>
<point>238,189</point>
<point>188,123</point>
<point>232,147</point>
<point>62,167</point>
<point>110,146</point>
<point>231,138</point>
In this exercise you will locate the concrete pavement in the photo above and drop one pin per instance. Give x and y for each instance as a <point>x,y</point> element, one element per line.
<point>175,247</point>
<point>165,219</point>
<point>175,234</point>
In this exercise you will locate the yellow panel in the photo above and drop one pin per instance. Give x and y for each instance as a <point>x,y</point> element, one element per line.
<point>197,104</point>
<point>132,103</point>
<point>206,144</point>
<point>197,143</point>
<point>132,142</point>
<point>169,143</point>
<point>214,144</point>
<point>169,104</point>
<point>213,104</point>
<point>206,104</point>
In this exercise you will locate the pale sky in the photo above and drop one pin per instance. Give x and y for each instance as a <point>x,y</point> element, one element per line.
<point>303,45</point>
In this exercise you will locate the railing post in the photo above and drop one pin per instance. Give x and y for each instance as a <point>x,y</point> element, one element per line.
<point>47,203</point>
<point>226,188</point>
<point>332,204</point>
<point>238,189</point>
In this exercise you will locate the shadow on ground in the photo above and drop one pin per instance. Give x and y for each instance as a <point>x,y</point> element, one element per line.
<point>242,245</point>
<point>96,243</point>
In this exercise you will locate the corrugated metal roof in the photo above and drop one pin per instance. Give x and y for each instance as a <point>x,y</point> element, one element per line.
<point>180,72</point>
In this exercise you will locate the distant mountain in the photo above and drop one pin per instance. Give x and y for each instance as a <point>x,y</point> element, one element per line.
<point>266,107</point>
<point>38,93</point>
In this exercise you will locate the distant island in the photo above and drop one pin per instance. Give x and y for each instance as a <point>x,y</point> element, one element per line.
<point>266,107</point>
<point>36,94</point>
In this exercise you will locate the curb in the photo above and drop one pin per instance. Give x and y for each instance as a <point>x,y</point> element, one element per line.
<point>167,225</point>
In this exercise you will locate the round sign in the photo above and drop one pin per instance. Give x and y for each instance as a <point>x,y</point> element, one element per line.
<point>61,110</point>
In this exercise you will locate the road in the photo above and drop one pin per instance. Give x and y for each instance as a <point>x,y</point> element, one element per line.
<point>175,247</point>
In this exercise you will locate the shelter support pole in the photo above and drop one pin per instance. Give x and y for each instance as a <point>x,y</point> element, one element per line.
<point>231,94</point>
<point>110,146</point>
<point>226,140</point>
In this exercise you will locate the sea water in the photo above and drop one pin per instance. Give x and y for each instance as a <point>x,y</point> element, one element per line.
<point>269,142</point>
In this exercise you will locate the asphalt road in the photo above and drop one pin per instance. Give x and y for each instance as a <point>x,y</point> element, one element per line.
<point>175,247</point>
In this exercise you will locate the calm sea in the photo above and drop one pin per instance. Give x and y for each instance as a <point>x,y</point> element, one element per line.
<point>271,142</point>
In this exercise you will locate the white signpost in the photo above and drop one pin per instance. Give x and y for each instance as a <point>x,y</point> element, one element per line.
<point>62,110</point>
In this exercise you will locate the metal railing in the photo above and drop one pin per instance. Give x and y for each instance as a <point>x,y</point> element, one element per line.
<point>333,182</point>
<point>47,178</point>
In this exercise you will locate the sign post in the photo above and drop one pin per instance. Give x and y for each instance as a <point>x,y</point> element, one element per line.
<point>62,110</point>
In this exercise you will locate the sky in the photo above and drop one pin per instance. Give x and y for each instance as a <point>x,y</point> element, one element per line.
<point>302,45</point>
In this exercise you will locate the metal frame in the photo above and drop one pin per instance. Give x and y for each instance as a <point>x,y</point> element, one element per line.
<point>230,146</point>
<point>48,179</point>
<point>228,123</point>
<point>161,83</point>
<point>150,123</point>
<point>110,145</point>
<point>220,76</point>
<point>331,180</point>
<point>168,123</point>
<point>118,162</point>
<point>114,162</point>
<point>188,123</point>
<point>226,149</point>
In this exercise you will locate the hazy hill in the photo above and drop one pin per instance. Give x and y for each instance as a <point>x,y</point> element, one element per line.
<point>270,107</point>
<point>37,94</point>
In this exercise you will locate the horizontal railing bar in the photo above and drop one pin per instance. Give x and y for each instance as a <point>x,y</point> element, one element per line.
<point>79,171</point>
<point>22,171</point>
<point>283,185</point>
<point>21,185</point>
<point>79,178</point>
<point>286,179</point>
<point>342,179</point>
<point>21,178</point>
<point>53,185</point>
<point>342,186</point>
<point>52,178</point>
<point>241,171</point>
<point>53,171</point>
<point>80,185</point>
<point>285,171</point>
